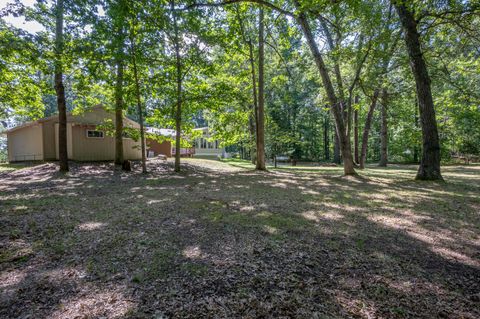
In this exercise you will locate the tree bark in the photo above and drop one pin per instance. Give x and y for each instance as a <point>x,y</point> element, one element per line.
<point>139,105</point>
<point>336,149</point>
<point>60,89</point>
<point>119,113</point>
<point>430,162</point>
<point>332,46</point>
<point>252,130</point>
<point>253,121</point>
<point>345,145</point>
<point>415,147</point>
<point>261,94</point>
<point>384,131</point>
<point>338,77</point>
<point>178,108</point>
<point>366,130</point>
<point>253,118</point>
<point>355,132</point>
<point>326,136</point>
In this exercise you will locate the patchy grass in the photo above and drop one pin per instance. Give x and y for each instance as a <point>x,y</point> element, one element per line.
<point>220,240</point>
<point>236,162</point>
<point>9,167</point>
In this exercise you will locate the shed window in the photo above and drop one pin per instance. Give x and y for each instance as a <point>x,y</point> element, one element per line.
<point>94,134</point>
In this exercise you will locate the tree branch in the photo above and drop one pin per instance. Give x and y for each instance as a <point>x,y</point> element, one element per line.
<point>227,2</point>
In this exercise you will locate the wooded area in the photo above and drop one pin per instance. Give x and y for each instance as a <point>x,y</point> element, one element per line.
<point>297,79</point>
<point>348,185</point>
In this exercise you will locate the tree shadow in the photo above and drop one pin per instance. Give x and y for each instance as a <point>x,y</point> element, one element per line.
<point>240,244</point>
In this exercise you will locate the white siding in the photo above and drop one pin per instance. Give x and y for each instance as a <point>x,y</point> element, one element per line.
<point>26,144</point>
<point>211,147</point>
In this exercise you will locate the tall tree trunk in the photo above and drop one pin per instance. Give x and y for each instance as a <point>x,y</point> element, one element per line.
<point>335,107</point>
<point>384,131</point>
<point>178,109</point>
<point>338,77</point>
<point>253,118</point>
<point>326,136</point>
<point>336,149</point>
<point>261,94</point>
<point>252,130</point>
<point>366,129</point>
<point>60,89</point>
<point>415,147</point>
<point>430,163</point>
<point>119,113</point>
<point>252,121</point>
<point>139,105</point>
<point>355,131</point>
<point>332,46</point>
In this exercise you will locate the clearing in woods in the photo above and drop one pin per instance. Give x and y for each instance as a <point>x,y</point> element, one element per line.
<point>221,240</point>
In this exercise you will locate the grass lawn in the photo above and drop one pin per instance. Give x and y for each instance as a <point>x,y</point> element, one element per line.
<point>222,241</point>
<point>7,167</point>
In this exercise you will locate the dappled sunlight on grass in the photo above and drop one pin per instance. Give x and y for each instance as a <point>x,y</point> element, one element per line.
<point>15,250</point>
<point>91,226</point>
<point>10,167</point>
<point>109,303</point>
<point>456,256</point>
<point>192,252</point>
<point>218,240</point>
<point>318,216</point>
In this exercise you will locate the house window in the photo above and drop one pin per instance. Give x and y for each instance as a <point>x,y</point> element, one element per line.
<point>216,144</point>
<point>94,134</point>
<point>204,143</point>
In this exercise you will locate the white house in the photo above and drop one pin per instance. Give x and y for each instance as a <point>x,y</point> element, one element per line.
<point>205,147</point>
<point>201,146</point>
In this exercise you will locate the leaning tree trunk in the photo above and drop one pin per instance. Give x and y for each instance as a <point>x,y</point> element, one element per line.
<point>261,94</point>
<point>345,145</point>
<point>366,129</point>
<point>430,163</point>
<point>60,89</point>
<point>384,131</point>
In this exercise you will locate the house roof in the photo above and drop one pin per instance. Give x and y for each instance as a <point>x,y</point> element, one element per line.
<point>69,119</point>
<point>30,123</point>
<point>161,131</point>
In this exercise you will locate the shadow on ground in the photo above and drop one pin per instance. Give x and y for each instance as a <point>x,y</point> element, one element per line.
<point>216,241</point>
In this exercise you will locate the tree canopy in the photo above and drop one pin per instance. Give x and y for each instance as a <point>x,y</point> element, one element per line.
<point>338,79</point>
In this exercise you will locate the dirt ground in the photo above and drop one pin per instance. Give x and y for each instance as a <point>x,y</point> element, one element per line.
<point>223,241</point>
